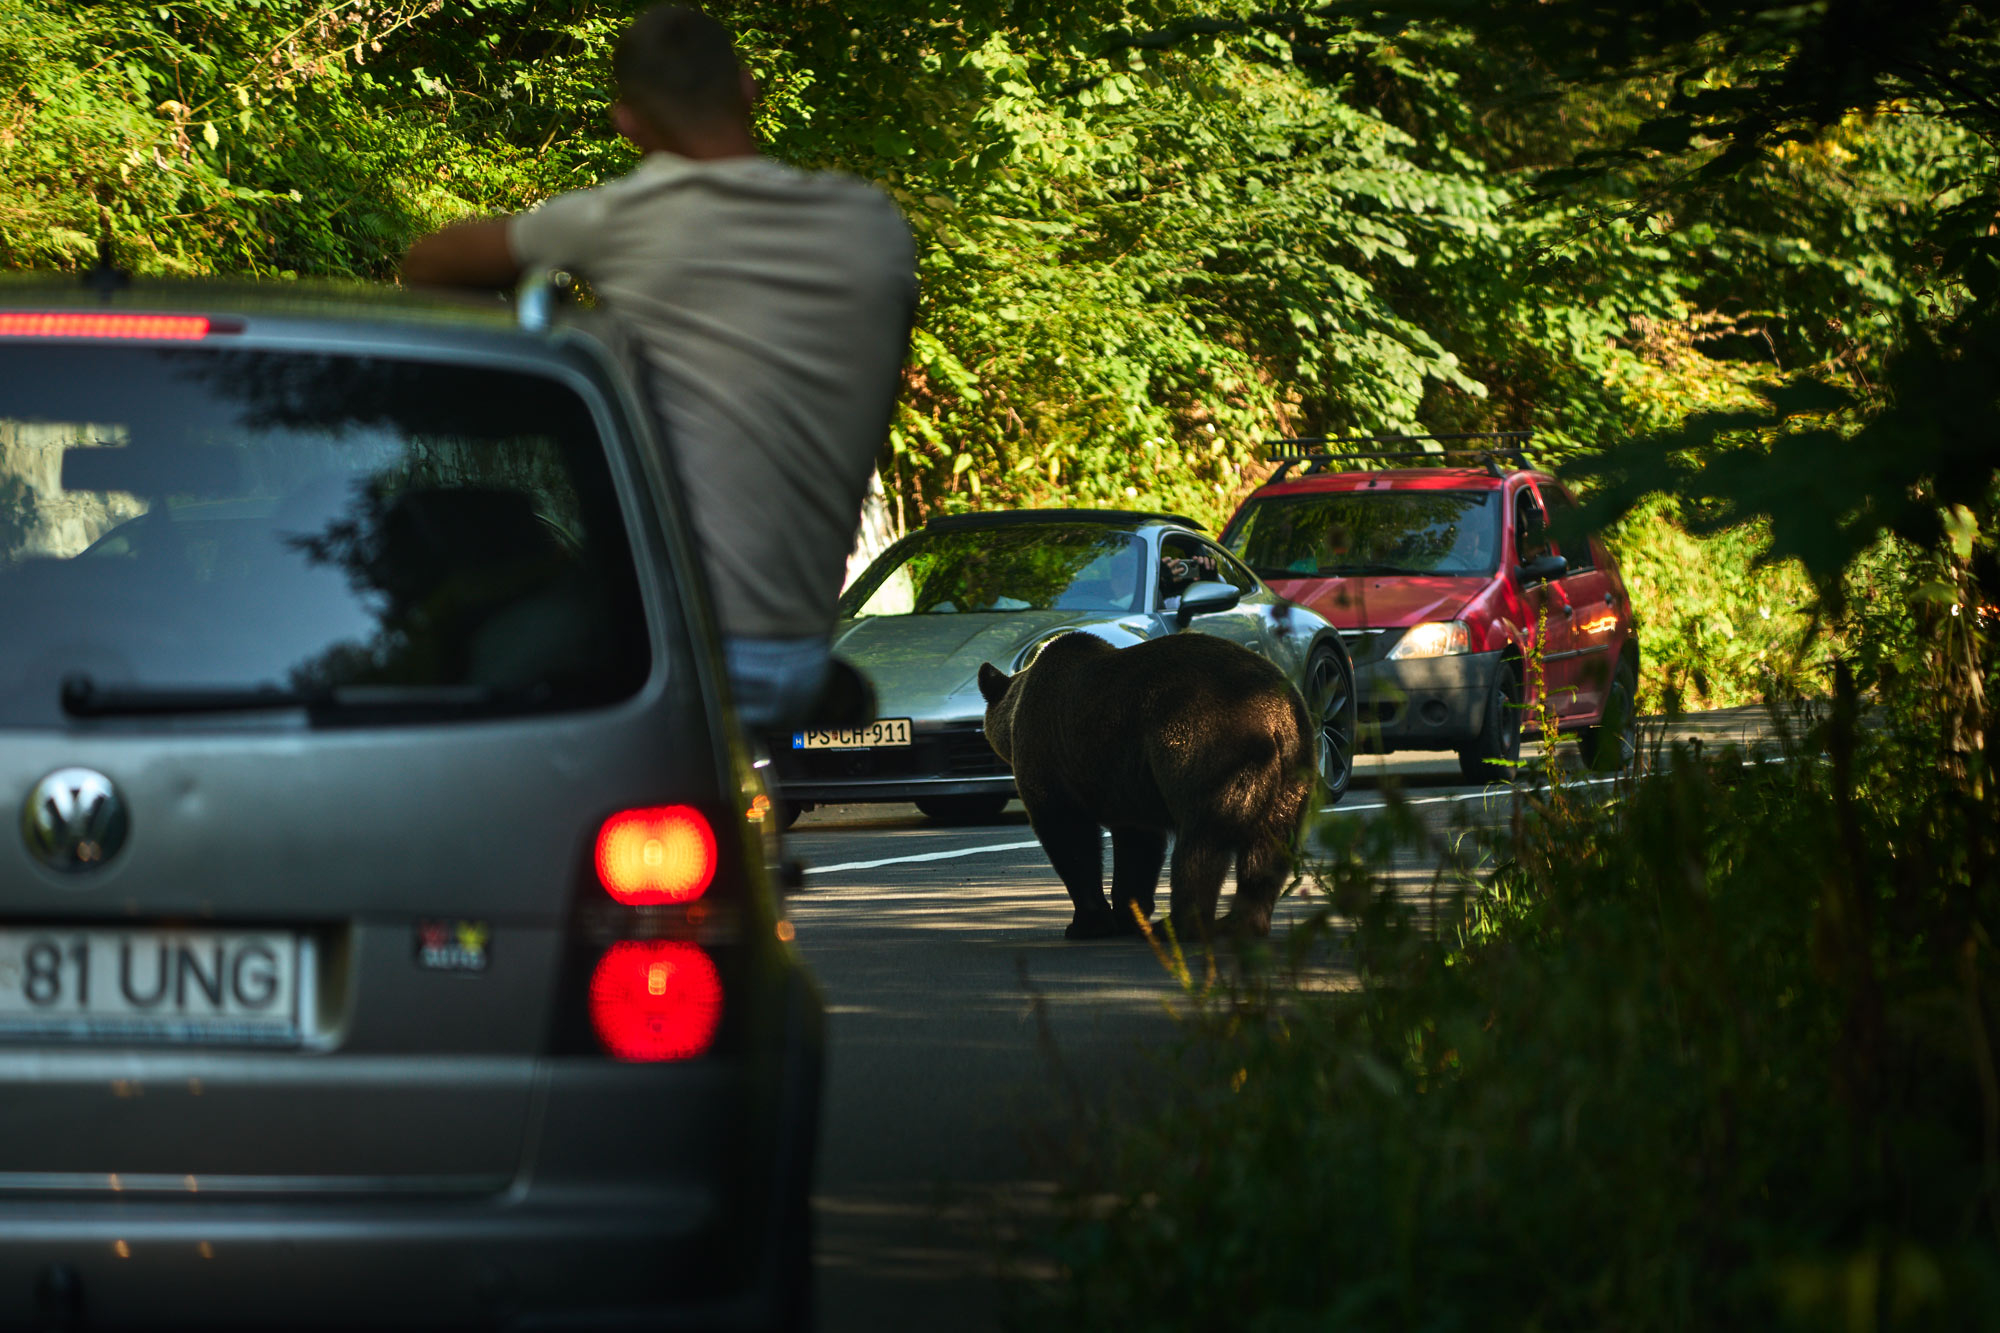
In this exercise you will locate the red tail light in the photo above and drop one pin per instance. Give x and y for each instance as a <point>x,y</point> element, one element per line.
<point>86,324</point>
<point>655,1000</point>
<point>661,855</point>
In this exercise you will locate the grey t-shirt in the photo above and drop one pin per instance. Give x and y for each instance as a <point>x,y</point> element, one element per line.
<point>774,307</point>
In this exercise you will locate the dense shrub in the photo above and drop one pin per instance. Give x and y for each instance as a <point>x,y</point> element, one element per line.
<point>1717,1054</point>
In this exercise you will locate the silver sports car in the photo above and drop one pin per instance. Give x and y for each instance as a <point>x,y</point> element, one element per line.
<point>993,588</point>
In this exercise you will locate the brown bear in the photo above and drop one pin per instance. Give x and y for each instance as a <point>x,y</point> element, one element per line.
<point>1191,735</point>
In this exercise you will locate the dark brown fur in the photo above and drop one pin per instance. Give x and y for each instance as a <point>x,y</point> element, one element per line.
<point>1191,735</point>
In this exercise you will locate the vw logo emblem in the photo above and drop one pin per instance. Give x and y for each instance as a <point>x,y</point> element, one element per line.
<point>74,820</point>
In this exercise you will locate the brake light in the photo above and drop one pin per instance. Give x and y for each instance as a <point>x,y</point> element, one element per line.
<point>88,324</point>
<point>655,1000</point>
<point>661,855</point>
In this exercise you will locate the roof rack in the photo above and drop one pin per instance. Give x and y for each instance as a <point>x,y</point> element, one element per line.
<point>1318,459</point>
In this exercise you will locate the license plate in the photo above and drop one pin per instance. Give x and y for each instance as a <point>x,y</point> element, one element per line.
<point>193,986</point>
<point>888,731</point>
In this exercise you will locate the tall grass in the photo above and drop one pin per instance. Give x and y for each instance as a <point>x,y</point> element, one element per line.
<point>1715,1053</point>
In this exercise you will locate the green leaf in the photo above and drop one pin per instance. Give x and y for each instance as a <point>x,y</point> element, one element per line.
<point>1961,527</point>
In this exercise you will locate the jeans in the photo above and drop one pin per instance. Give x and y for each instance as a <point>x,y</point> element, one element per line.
<point>776,682</point>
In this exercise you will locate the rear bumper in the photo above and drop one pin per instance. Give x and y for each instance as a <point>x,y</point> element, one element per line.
<point>1432,703</point>
<point>664,1196</point>
<point>513,1261</point>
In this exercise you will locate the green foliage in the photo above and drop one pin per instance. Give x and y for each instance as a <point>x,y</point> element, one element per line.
<point>1722,1053</point>
<point>1152,234</point>
<point>1718,625</point>
<point>1715,1055</point>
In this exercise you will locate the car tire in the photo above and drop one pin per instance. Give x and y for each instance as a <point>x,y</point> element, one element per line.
<point>1494,755</point>
<point>962,809</point>
<point>1331,703</point>
<point>788,813</point>
<point>793,1229</point>
<point>1611,745</point>
<point>796,1296</point>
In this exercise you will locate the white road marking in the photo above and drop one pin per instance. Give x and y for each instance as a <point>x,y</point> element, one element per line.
<point>1484,793</point>
<point>924,856</point>
<point>991,847</point>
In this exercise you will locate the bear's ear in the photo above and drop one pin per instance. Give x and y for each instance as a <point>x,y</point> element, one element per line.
<point>992,682</point>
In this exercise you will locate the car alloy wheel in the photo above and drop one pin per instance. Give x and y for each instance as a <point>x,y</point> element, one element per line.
<point>1330,700</point>
<point>1613,743</point>
<point>1497,752</point>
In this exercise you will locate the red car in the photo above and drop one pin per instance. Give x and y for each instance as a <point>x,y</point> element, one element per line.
<point>1461,608</point>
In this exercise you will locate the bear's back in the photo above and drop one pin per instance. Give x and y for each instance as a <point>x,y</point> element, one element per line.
<point>1131,732</point>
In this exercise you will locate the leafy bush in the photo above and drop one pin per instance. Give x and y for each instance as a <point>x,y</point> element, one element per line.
<point>1716,629</point>
<point>1717,1054</point>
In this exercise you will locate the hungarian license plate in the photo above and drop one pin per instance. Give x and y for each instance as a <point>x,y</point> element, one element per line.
<point>888,731</point>
<point>137,984</point>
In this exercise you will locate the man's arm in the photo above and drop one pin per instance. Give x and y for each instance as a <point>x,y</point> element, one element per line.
<point>466,254</point>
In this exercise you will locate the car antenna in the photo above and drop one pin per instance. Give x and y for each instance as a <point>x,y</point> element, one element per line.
<point>105,277</point>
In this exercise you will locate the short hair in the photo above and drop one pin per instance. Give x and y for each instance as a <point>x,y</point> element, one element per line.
<point>677,65</point>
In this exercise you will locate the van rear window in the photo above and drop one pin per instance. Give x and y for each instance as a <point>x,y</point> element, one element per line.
<point>193,529</point>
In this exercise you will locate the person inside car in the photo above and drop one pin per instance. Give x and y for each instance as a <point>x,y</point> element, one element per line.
<point>1177,572</point>
<point>773,307</point>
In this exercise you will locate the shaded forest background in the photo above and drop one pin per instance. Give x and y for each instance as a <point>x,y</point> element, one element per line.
<point>1153,235</point>
<point>1722,1051</point>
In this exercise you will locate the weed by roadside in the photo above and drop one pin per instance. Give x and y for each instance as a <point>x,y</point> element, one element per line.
<point>1715,1053</point>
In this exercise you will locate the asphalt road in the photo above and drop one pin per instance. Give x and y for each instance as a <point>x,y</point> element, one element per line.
<point>963,1027</point>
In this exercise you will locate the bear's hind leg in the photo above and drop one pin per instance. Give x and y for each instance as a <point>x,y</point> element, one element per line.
<point>1136,858</point>
<point>1201,863</point>
<point>1075,846</point>
<point>1262,867</point>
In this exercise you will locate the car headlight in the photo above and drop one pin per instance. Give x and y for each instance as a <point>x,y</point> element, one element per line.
<point>1433,638</point>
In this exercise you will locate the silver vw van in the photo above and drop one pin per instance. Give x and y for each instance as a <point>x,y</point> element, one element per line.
<point>386,934</point>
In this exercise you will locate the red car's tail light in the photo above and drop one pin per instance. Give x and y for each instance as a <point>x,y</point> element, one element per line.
<point>655,1000</point>
<point>86,324</point>
<point>660,855</point>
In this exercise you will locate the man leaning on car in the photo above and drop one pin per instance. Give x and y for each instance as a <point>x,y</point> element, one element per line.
<point>774,307</point>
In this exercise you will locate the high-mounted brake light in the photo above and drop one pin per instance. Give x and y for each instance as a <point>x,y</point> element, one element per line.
<point>655,1000</point>
<point>661,855</point>
<point>87,324</point>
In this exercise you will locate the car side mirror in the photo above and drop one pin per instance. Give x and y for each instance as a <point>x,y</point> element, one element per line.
<point>1203,599</point>
<point>1543,568</point>
<point>846,698</point>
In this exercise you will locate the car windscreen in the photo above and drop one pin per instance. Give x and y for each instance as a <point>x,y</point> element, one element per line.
<point>1328,534</point>
<point>1030,567</point>
<point>191,529</point>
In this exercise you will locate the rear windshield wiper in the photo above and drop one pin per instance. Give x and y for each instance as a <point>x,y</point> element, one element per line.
<point>84,697</point>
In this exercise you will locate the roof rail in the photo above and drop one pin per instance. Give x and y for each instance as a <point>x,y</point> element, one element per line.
<point>106,278</point>
<point>1311,450</point>
<point>539,295</point>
